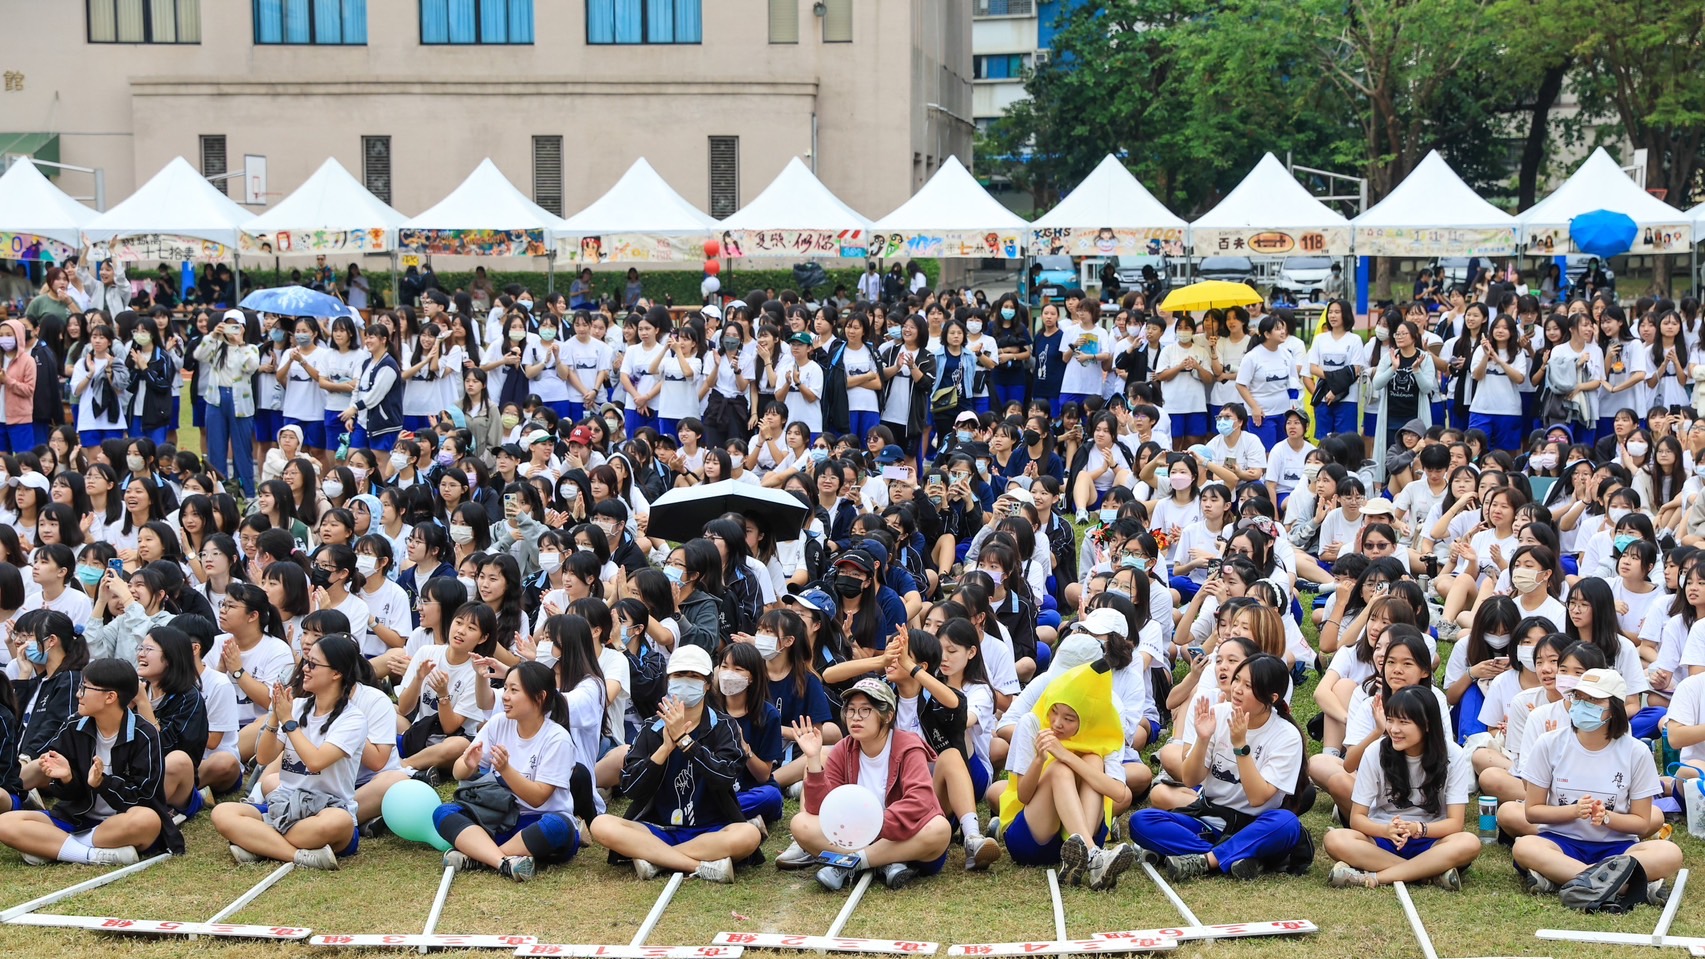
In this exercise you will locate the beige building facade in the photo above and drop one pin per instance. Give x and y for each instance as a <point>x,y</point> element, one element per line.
<point>410,95</point>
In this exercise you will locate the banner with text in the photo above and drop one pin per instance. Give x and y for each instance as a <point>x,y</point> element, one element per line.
<point>1332,241</point>
<point>961,243</point>
<point>853,244</point>
<point>28,246</point>
<point>280,242</point>
<point>630,248</point>
<point>1106,241</point>
<point>1448,241</point>
<point>474,242</point>
<point>1669,238</point>
<point>160,246</point>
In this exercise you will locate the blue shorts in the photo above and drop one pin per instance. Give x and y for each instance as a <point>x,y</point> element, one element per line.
<point>73,827</point>
<point>418,424</point>
<point>677,835</point>
<point>1410,850</point>
<point>354,837</point>
<point>1590,853</point>
<point>93,438</point>
<point>177,409</point>
<point>267,423</point>
<point>1022,846</point>
<point>1190,424</point>
<point>198,413</point>
<point>313,432</point>
<point>980,774</point>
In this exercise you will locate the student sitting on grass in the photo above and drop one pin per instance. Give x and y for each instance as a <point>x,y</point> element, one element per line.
<point>1407,811</point>
<point>443,697</point>
<point>172,703</point>
<point>742,692</point>
<point>106,811</point>
<point>531,752</point>
<point>679,777</point>
<point>894,766</point>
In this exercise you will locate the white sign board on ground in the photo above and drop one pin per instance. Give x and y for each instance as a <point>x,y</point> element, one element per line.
<point>1226,930</point>
<point>1066,947</point>
<point>163,927</point>
<point>776,940</point>
<point>587,951</point>
<point>425,941</point>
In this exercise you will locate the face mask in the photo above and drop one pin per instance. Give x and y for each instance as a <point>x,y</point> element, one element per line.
<point>366,564</point>
<point>767,645</point>
<point>730,345</point>
<point>1108,516</point>
<point>818,456</point>
<point>1179,481</point>
<point>550,562</point>
<point>277,336</point>
<point>676,575</point>
<point>1525,580</point>
<point>974,327</point>
<point>1543,461</point>
<point>1616,514</point>
<point>1185,339</point>
<point>935,501</point>
<point>1309,472</point>
<point>1496,642</point>
<point>462,535</point>
<point>1225,427</point>
<point>894,333</point>
<point>731,683</point>
<point>548,334</point>
<point>445,458</point>
<point>1586,717</point>
<point>1638,448</point>
<point>689,691</point>
<point>90,575</point>
<point>1031,437</point>
<point>333,489</point>
<point>613,426</point>
<point>320,577</point>
<point>1566,683</point>
<point>135,463</point>
<point>359,473</point>
<point>35,654</point>
<point>516,336</point>
<point>399,460</point>
<point>1008,312</point>
<point>470,586</point>
<point>1130,562</point>
<point>303,339</point>
<point>995,575</point>
<point>8,343</point>
<point>963,436</point>
<point>1524,656</point>
<point>1622,540</point>
<point>848,587</point>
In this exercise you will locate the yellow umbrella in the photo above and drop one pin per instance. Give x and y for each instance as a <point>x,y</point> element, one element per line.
<point>1209,295</point>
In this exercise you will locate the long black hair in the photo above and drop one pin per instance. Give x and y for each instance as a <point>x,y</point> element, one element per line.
<point>1417,705</point>
<point>343,657</point>
<point>181,675</point>
<point>1269,678</point>
<point>539,685</point>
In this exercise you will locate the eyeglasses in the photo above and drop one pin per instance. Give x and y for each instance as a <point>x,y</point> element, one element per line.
<point>86,688</point>
<point>309,665</point>
<point>858,712</point>
<point>1579,604</point>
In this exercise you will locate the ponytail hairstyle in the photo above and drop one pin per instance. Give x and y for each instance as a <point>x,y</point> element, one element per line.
<point>597,616</point>
<point>1417,705</point>
<point>538,685</point>
<point>962,634</point>
<point>253,598</point>
<point>342,558</point>
<point>343,657</point>
<point>1268,678</point>
<point>786,623</point>
<point>277,544</point>
<point>586,568</point>
<point>181,675</point>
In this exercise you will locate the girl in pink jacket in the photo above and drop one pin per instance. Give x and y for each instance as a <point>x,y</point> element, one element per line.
<point>18,379</point>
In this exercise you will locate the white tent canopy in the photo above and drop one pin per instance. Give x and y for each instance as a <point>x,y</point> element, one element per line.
<point>952,215</point>
<point>330,212</point>
<point>1109,212</point>
<point>1599,184</point>
<point>1697,215</point>
<point>30,204</point>
<point>1433,213</point>
<point>796,215</point>
<point>486,200</point>
<point>177,202</point>
<point>640,202</point>
<point>1270,214</point>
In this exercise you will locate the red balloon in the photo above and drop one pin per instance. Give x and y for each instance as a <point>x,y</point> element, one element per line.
<point>712,249</point>
<point>712,267</point>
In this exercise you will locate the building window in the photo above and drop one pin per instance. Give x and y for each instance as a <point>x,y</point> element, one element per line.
<point>476,21</point>
<point>724,176</point>
<point>784,21</point>
<point>837,21</point>
<point>376,166</point>
<point>547,173</point>
<point>311,22</point>
<point>213,162</point>
<point>999,66</point>
<point>144,21</point>
<point>644,21</point>
<point>1006,8</point>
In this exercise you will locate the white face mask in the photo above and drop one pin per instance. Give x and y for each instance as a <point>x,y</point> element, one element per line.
<point>1524,656</point>
<point>470,586</point>
<point>1637,448</point>
<point>1497,642</point>
<point>550,562</point>
<point>462,535</point>
<point>1616,515</point>
<point>1381,334</point>
<point>333,488</point>
<point>767,645</point>
<point>366,563</point>
<point>1309,472</point>
<point>731,683</point>
<point>399,460</point>
<point>135,463</point>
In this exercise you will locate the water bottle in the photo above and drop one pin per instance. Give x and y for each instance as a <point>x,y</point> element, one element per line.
<point>343,447</point>
<point>1488,820</point>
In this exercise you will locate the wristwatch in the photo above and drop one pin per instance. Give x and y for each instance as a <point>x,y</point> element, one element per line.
<point>684,743</point>
<point>238,673</point>
<point>291,725</point>
<point>1236,751</point>
<point>915,669</point>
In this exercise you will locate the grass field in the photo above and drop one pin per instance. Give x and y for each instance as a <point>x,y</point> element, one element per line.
<point>389,886</point>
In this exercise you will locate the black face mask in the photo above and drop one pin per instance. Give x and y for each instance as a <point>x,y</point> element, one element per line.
<point>320,577</point>
<point>848,587</point>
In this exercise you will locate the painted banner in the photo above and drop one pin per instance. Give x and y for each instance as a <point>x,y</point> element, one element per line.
<point>853,244</point>
<point>28,246</point>
<point>1435,241</point>
<point>630,248</point>
<point>1332,241</point>
<point>1106,241</point>
<point>964,243</point>
<point>1670,238</point>
<point>775,940</point>
<point>161,246</point>
<point>373,240</point>
<point>474,242</point>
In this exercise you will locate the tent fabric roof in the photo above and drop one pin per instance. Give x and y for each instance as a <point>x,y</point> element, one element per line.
<point>952,201</point>
<point>1599,184</point>
<point>1109,196</point>
<point>1270,198</point>
<point>486,200</point>
<point>330,199</point>
<point>1433,196</point>
<point>30,203</point>
<point>796,200</point>
<point>178,201</point>
<point>640,202</point>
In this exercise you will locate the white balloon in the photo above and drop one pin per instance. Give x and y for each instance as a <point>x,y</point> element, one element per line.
<point>710,285</point>
<point>851,816</point>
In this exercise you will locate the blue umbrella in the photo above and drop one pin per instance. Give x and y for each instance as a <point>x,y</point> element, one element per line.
<point>294,301</point>
<point>1603,233</point>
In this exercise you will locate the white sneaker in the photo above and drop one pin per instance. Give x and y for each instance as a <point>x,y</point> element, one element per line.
<point>644,870</point>
<point>981,853</point>
<point>321,858</point>
<point>761,826</point>
<point>459,861</point>
<point>30,860</point>
<point>722,870</point>
<point>795,857</point>
<point>117,856</point>
<point>796,791</point>
<point>243,856</point>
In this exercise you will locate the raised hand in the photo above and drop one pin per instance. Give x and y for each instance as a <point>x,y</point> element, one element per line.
<point>808,738</point>
<point>1204,720</point>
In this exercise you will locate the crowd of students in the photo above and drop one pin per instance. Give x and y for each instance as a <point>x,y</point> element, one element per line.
<point>1047,604</point>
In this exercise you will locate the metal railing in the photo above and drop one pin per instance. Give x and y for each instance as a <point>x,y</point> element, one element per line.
<point>1006,8</point>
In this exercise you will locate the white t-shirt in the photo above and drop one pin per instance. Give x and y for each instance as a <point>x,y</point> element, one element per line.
<point>860,362</point>
<point>809,412</point>
<point>269,661</point>
<point>980,345</point>
<point>586,708</point>
<point>74,603</point>
<point>549,757</point>
<point>1198,536</point>
<point>1336,351</point>
<point>1269,375</point>
<point>1284,465</point>
<point>1620,774</point>
<point>898,406</point>
<point>1083,371</point>
<point>1277,750</point>
<point>1340,529</point>
<point>1185,393</point>
<point>998,662</point>
<point>980,706</point>
<point>636,365</point>
<point>588,359</point>
<point>680,396</point>
<point>348,733</point>
<point>1358,722</point>
<point>1495,395</point>
<point>1373,792</point>
<point>390,606</point>
<point>338,367</point>
<point>219,695</point>
<point>462,689</point>
<point>1687,708</point>
<point>304,399</point>
<point>1247,452</point>
<point>872,770</point>
<point>616,670</point>
<point>380,715</point>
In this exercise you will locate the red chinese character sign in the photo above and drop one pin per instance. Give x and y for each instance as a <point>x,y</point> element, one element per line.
<point>1331,241</point>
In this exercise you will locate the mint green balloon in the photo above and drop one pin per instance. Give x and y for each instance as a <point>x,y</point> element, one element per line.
<point>408,807</point>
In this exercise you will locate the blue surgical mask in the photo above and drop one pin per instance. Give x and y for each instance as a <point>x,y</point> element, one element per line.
<point>893,332</point>
<point>90,575</point>
<point>1586,717</point>
<point>1130,562</point>
<point>1622,540</point>
<point>1140,563</point>
<point>689,691</point>
<point>1225,427</point>
<point>35,654</point>
<point>676,574</point>
<point>277,335</point>
<point>1008,312</point>
<point>1108,516</point>
<point>818,456</point>
<point>963,436</point>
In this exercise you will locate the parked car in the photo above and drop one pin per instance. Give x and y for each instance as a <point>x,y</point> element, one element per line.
<point>1303,276</point>
<point>1236,269</point>
<point>1056,276</point>
<point>1130,270</point>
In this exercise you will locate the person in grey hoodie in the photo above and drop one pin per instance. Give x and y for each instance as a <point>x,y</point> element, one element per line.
<point>518,532</point>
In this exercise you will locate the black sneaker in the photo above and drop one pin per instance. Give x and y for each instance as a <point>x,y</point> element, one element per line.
<point>1180,868</point>
<point>1074,860</point>
<point>1246,869</point>
<point>895,875</point>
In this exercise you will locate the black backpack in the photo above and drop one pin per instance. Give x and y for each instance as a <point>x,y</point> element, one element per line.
<point>648,675</point>
<point>1615,885</point>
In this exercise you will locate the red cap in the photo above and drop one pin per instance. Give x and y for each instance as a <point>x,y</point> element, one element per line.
<point>581,435</point>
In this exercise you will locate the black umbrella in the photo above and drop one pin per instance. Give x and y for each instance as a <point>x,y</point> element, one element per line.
<point>681,514</point>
